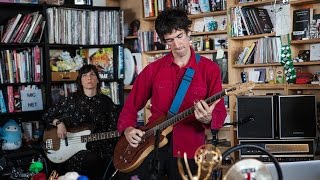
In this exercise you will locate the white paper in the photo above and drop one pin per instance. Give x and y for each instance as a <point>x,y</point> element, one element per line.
<point>220,54</point>
<point>314,52</point>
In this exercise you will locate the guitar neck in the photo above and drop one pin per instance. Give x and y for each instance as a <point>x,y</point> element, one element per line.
<point>99,136</point>
<point>173,120</point>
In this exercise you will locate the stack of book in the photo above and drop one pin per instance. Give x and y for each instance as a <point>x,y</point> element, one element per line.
<point>23,28</point>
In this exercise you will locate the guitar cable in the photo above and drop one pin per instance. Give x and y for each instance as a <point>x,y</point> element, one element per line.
<point>107,169</point>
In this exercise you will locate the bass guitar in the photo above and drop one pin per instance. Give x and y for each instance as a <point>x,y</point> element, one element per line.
<point>127,158</point>
<point>59,150</point>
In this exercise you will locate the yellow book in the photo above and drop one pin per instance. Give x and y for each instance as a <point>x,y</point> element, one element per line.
<point>246,57</point>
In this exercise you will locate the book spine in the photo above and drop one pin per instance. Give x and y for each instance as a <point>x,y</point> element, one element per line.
<point>37,75</point>
<point>10,98</point>
<point>3,107</point>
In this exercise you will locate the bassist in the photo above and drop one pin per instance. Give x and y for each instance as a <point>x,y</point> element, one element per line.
<point>159,82</point>
<point>88,106</point>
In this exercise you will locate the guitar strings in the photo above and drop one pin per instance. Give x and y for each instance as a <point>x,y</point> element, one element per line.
<point>74,140</point>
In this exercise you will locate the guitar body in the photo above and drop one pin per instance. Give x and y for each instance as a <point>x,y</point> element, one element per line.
<point>63,149</point>
<point>127,158</point>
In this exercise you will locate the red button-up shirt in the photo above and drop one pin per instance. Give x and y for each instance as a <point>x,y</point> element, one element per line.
<point>160,81</point>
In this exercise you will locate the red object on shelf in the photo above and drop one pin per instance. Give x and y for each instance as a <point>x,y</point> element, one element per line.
<point>304,78</point>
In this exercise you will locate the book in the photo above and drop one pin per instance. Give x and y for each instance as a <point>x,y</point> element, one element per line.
<point>17,98</point>
<point>210,24</point>
<point>27,1</point>
<point>248,53</point>
<point>26,20</point>
<point>223,65</point>
<point>263,19</point>
<point>10,99</point>
<point>120,63</point>
<point>102,58</point>
<point>13,22</point>
<point>3,108</point>
<point>301,23</point>
<point>198,25</point>
<point>137,65</point>
<point>204,5</point>
<point>262,77</point>
<point>19,26</point>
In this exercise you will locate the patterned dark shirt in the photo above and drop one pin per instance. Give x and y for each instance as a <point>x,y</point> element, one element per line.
<point>98,113</point>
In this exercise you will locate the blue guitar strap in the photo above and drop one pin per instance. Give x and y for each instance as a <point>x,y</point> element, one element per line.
<point>182,90</point>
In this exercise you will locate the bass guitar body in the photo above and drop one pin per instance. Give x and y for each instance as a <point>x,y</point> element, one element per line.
<point>60,150</point>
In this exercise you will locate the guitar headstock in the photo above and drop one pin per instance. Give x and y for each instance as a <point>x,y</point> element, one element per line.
<point>240,88</point>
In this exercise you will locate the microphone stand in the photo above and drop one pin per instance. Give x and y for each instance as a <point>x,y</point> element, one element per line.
<point>155,163</point>
<point>215,141</point>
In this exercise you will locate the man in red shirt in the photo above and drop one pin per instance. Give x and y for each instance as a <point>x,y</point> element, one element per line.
<point>159,82</point>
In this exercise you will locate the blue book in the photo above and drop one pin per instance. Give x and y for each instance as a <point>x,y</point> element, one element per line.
<point>2,103</point>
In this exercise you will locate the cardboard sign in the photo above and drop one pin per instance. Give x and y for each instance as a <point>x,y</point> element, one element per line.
<point>31,100</point>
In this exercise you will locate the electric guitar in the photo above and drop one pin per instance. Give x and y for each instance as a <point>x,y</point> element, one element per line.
<point>127,158</point>
<point>59,150</point>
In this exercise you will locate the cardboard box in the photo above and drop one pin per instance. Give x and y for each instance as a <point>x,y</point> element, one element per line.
<point>64,76</point>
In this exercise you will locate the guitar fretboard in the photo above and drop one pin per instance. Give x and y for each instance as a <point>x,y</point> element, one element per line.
<point>181,115</point>
<point>99,136</point>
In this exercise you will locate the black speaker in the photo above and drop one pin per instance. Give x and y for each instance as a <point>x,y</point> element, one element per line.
<point>256,117</point>
<point>297,116</point>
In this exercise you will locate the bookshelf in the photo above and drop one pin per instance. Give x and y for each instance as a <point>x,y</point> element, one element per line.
<point>89,35</point>
<point>236,43</point>
<point>22,61</point>
<point>47,79</point>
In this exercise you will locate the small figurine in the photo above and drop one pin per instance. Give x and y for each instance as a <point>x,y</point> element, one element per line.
<point>11,135</point>
<point>134,28</point>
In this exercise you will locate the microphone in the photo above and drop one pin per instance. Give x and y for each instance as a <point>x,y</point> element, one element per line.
<point>241,121</point>
<point>245,120</point>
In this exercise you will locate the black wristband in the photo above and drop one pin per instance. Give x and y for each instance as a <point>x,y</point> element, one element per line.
<point>58,122</point>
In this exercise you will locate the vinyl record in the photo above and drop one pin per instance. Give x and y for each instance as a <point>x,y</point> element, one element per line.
<point>128,67</point>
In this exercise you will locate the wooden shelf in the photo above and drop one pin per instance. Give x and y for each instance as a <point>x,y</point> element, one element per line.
<point>194,16</point>
<point>303,86</point>
<point>214,13</point>
<point>302,42</point>
<point>308,63</point>
<point>127,87</point>
<point>157,52</point>
<point>253,36</point>
<point>286,86</point>
<point>209,33</point>
<point>303,2</point>
<point>255,65</point>
<point>209,51</point>
<point>269,86</point>
<point>257,3</point>
<point>131,37</point>
<point>167,51</point>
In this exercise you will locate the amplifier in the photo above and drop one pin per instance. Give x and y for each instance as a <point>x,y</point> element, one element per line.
<point>283,150</point>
